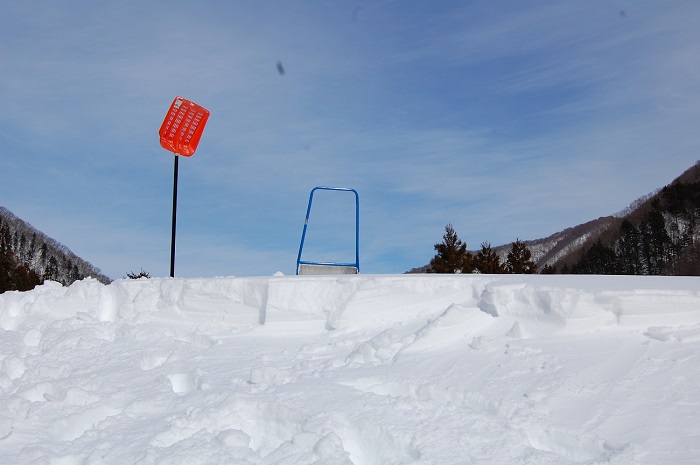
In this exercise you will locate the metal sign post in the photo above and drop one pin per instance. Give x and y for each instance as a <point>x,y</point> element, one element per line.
<point>172,238</point>
<point>180,133</point>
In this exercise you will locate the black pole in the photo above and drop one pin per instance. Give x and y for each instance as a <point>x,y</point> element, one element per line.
<point>172,240</point>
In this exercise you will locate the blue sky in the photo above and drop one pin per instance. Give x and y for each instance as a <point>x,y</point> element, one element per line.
<point>507,119</point>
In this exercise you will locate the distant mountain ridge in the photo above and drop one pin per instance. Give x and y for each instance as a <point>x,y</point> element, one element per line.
<point>552,249</point>
<point>21,244</point>
<point>678,204</point>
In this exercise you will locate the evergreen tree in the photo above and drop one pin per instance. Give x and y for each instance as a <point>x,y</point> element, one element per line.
<point>519,260</point>
<point>628,249</point>
<point>51,270</point>
<point>655,242</point>
<point>452,255</point>
<point>25,279</point>
<point>7,263</point>
<point>14,276</point>
<point>73,272</point>
<point>31,251</point>
<point>487,261</point>
<point>599,259</point>
<point>22,252</point>
<point>141,274</point>
<point>549,269</point>
<point>7,266</point>
<point>5,237</point>
<point>43,254</point>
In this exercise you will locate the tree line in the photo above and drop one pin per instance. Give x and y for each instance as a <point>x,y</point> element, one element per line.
<point>28,258</point>
<point>661,239</point>
<point>660,236</point>
<point>15,275</point>
<point>453,257</point>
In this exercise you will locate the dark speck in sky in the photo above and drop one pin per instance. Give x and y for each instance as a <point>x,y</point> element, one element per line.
<point>280,68</point>
<point>355,13</point>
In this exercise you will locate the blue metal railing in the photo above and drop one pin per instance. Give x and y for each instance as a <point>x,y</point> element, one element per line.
<point>357,230</point>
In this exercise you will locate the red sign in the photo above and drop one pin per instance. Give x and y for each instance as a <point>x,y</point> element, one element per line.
<point>183,126</point>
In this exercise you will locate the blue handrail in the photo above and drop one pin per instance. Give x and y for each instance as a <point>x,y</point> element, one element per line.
<point>357,230</point>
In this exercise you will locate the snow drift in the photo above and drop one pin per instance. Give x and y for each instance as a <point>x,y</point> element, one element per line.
<point>410,369</point>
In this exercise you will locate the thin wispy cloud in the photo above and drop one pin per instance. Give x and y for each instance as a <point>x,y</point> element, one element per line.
<point>507,120</point>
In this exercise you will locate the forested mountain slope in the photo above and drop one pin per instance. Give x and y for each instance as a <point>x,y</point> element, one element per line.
<point>28,257</point>
<point>658,234</point>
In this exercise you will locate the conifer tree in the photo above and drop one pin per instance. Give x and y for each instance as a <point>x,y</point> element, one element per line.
<point>452,255</point>
<point>655,242</point>
<point>25,279</point>
<point>549,269</point>
<point>599,259</point>
<point>51,270</point>
<point>519,259</point>
<point>141,274</point>
<point>7,263</point>
<point>487,261</point>
<point>628,250</point>
<point>13,275</point>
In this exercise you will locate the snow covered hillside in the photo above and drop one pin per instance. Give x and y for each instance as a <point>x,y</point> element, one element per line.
<point>367,369</point>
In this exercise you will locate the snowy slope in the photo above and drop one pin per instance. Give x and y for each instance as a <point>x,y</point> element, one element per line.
<point>410,369</point>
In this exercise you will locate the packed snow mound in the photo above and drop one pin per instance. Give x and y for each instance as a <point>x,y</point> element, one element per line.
<point>366,369</point>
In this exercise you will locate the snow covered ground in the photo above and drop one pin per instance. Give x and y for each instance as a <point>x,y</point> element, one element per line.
<point>368,369</point>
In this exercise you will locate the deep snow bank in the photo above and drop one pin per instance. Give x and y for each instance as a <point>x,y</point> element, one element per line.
<point>435,369</point>
<point>540,303</point>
